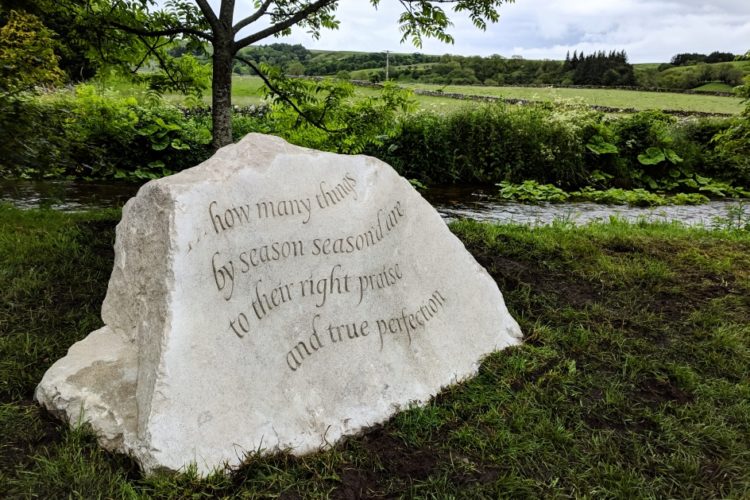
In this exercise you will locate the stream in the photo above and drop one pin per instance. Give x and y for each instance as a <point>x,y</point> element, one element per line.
<point>451,202</point>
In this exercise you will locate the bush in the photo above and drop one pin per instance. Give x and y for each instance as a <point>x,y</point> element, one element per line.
<point>493,143</point>
<point>90,135</point>
<point>733,143</point>
<point>567,145</point>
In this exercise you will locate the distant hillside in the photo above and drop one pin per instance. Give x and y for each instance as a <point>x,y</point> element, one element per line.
<point>595,69</point>
<point>692,76</point>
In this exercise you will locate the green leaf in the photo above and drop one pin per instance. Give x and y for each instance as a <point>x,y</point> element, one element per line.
<point>672,156</point>
<point>599,146</point>
<point>148,130</point>
<point>652,156</point>
<point>179,145</point>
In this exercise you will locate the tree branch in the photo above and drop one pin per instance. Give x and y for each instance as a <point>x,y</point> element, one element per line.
<point>149,49</point>
<point>284,97</point>
<point>180,30</point>
<point>162,63</point>
<point>209,13</point>
<point>254,17</point>
<point>280,26</point>
<point>226,13</point>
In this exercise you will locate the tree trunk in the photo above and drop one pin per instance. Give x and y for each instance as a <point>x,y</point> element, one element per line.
<point>221,93</point>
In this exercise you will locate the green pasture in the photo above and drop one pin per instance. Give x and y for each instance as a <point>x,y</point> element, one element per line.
<point>714,87</point>
<point>744,66</point>
<point>646,66</point>
<point>246,90</point>
<point>613,98</point>
<point>633,380</point>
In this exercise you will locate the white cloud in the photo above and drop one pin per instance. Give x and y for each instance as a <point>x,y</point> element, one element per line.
<point>647,30</point>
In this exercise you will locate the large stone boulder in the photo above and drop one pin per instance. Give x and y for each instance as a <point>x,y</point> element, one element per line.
<point>274,298</point>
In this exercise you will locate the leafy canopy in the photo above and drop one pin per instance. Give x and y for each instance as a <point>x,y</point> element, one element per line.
<point>196,20</point>
<point>27,57</point>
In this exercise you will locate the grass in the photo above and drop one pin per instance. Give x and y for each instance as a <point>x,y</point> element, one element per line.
<point>246,91</point>
<point>633,380</point>
<point>743,66</point>
<point>714,87</point>
<point>646,66</point>
<point>613,98</point>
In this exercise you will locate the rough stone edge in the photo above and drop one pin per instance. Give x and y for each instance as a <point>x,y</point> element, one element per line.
<point>62,396</point>
<point>149,346</point>
<point>136,338</point>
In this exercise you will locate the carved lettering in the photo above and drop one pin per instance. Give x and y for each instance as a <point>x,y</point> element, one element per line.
<point>223,276</point>
<point>283,208</point>
<point>320,288</point>
<point>334,283</point>
<point>404,323</point>
<point>231,217</point>
<point>296,355</point>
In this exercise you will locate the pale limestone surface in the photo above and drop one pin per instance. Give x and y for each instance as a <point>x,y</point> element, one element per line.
<point>233,327</point>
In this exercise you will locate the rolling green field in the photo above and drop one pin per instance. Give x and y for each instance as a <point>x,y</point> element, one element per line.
<point>613,98</point>
<point>714,87</point>
<point>743,66</point>
<point>246,90</point>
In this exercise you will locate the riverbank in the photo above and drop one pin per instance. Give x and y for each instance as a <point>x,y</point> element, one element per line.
<point>482,203</point>
<point>632,380</point>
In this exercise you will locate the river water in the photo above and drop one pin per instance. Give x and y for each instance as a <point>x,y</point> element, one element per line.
<point>452,203</point>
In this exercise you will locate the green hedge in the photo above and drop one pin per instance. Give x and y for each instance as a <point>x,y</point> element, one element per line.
<point>561,144</point>
<point>85,134</point>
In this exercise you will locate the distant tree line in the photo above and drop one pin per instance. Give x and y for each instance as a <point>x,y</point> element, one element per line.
<point>594,69</point>
<point>610,69</point>
<point>356,61</point>
<point>691,58</point>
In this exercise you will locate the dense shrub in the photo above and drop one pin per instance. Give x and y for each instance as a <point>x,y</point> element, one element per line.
<point>733,143</point>
<point>85,134</point>
<point>564,144</point>
<point>493,143</point>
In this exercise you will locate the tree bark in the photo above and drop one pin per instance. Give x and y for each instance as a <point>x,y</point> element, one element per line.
<point>221,92</point>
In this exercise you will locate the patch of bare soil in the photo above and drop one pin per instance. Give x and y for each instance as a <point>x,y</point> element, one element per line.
<point>394,461</point>
<point>511,275</point>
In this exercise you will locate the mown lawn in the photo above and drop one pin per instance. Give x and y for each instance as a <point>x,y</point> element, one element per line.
<point>633,380</point>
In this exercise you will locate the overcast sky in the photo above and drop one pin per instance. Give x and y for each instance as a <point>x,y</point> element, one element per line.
<point>648,30</point>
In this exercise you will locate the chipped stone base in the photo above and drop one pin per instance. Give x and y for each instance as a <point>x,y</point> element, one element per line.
<point>95,383</point>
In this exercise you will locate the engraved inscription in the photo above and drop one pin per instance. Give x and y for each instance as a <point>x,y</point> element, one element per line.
<point>242,276</point>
